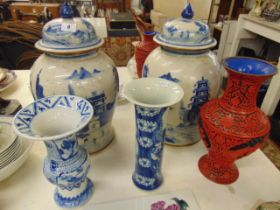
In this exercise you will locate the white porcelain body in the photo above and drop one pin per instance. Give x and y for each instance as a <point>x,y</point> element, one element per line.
<point>189,69</point>
<point>92,76</point>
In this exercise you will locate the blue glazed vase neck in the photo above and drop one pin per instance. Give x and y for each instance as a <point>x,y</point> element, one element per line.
<point>150,138</point>
<point>62,149</point>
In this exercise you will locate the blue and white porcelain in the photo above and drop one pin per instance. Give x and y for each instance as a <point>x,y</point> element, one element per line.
<point>152,97</point>
<point>68,34</point>
<point>185,33</point>
<point>55,120</point>
<point>184,57</point>
<point>73,64</point>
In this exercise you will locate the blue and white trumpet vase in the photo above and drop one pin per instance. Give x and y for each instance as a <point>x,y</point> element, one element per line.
<point>55,120</point>
<point>152,97</point>
<point>74,64</point>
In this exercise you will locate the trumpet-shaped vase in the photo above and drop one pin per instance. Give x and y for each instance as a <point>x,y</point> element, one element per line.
<point>55,121</point>
<point>152,97</point>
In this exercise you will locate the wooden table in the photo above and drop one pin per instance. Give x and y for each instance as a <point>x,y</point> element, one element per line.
<point>112,169</point>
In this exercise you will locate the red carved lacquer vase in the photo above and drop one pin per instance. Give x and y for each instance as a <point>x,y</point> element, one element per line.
<point>143,49</point>
<point>233,126</point>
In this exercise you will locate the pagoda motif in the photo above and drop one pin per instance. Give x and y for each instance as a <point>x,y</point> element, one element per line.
<point>98,102</point>
<point>189,114</point>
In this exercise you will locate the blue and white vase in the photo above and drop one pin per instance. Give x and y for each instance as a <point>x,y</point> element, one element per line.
<point>73,64</point>
<point>184,57</point>
<point>56,120</point>
<point>152,97</point>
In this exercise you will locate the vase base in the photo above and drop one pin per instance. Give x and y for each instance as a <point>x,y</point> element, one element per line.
<point>220,175</point>
<point>79,200</point>
<point>181,145</point>
<point>146,183</point>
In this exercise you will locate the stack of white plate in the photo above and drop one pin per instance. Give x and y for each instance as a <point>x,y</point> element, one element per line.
<point>13,150</point>
<point>9,150</point>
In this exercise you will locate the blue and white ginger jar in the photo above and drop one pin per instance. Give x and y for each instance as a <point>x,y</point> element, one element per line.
<point>184,57</point>
<point>73,64</point>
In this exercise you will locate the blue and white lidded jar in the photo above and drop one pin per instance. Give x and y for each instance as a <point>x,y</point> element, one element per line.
<point>73,64</point>
<point>184,57</point>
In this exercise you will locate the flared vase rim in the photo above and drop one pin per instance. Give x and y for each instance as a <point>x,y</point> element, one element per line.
<point>53,137</point>
<point>150,33</point>
<point>148,105</point>
<point>228,68</point>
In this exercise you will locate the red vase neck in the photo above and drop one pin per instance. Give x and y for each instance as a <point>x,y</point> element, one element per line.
<point>241,92</point>
<point>148,37</point>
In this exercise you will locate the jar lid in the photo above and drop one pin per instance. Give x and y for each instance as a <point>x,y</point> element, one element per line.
<point>68,35</point>
<point>185,33</point>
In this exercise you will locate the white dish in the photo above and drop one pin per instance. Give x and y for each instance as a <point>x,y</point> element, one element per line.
<point>7,134</point>
<point>8,81</point>
<point>13,166</point>
<point>8,151</point>
<point>12,155</point>
<point>3,74</point>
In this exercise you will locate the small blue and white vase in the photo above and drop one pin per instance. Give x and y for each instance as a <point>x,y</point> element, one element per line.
<point>184,57</point>
<point>55,121</point>
<point>74,64</point>
<point>152,97</point>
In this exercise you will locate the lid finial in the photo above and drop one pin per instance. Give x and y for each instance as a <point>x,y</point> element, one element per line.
<point>66,10</point>
<point>188,12</point>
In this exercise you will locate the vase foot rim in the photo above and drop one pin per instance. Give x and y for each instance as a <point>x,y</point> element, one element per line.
<point>79,200</point>
<point>143,187</point>
<point>181,145</point>
<point>229,174</point>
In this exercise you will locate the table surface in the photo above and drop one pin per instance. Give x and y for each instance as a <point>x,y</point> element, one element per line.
<point>111,170</point>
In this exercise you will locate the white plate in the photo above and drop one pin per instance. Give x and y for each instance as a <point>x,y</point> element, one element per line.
<point>11,156</point>
<point>8,81</point>
<point>8,151</point>
<point>7,134</point>
<point>3,74</point>
<point>13,166</point>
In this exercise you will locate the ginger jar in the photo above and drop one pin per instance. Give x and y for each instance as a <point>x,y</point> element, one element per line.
<point>184,57</point>
<point>73,64</point>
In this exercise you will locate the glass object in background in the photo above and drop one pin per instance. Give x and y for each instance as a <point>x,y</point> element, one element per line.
<point>100,13</point>
<point>108,12</point>
<point>115,10</point>
<point>86,9</point>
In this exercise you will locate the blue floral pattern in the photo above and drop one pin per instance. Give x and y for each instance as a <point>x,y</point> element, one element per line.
<point>150,136</point>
